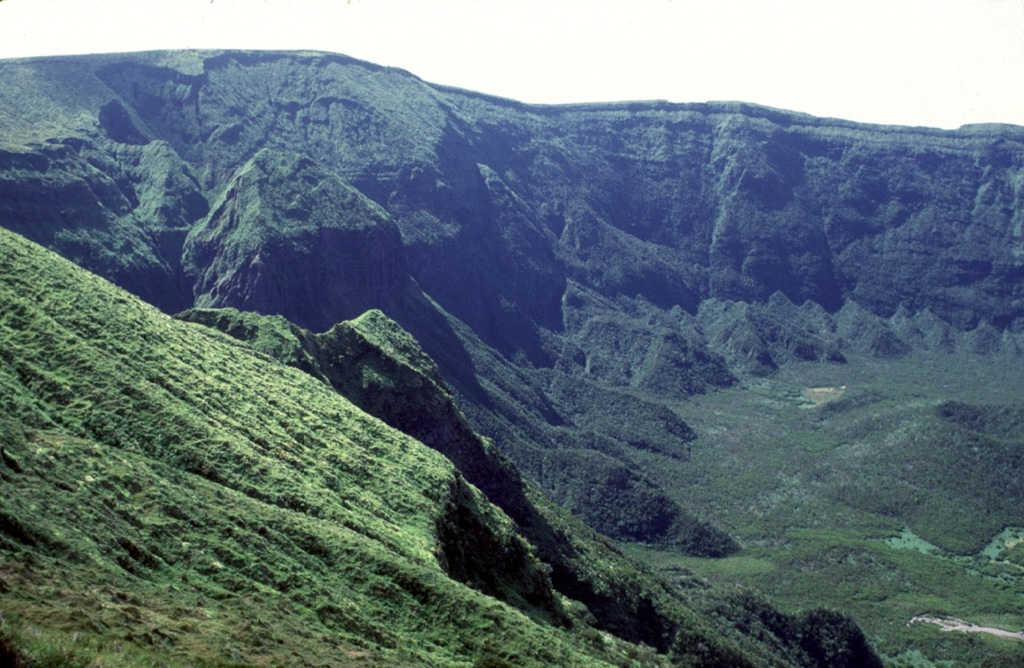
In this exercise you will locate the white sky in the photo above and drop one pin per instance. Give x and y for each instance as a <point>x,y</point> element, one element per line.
<point>939,63</point>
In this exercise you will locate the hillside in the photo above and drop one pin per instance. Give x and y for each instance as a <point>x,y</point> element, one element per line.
<point>629,301</point>
<point>159,477</point>
<point>381,369</point>
<point>170,490</point>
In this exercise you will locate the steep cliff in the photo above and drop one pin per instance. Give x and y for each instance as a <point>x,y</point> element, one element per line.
<point>289,238</point>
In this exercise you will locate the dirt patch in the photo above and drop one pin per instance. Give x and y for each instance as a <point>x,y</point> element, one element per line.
<point>951,624</point>
<point>816,396</point>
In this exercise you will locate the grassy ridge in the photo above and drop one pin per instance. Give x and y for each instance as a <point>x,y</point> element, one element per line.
<point>382,369</point>
<point>166,487</point>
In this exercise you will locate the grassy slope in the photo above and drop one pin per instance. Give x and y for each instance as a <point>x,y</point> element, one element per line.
<point>174,498</point>
<point>382,369</point>
<point>167,490</point>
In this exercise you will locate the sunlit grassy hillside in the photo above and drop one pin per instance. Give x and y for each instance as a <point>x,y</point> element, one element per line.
<point>168,492</point>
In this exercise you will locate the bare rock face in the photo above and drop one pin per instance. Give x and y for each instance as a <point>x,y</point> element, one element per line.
<point>290,238</point>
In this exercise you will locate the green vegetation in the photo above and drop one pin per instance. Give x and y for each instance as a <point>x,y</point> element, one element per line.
<point>713,330</point>
<point>166,487</point>
<point>281,212</point>
<point>880,499</point>
<point>173,497</point>
<point>383,370</point>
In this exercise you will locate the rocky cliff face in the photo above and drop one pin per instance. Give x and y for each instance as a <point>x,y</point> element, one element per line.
<point>289,238</point>
<point>122,211</point>
<point>677,203</point>
<point>574,270</point>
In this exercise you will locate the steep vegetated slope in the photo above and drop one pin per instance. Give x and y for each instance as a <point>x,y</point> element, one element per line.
<point>169,489</point>
<point>587,278</point>
<point>381,369</point>
<point>153,456</point>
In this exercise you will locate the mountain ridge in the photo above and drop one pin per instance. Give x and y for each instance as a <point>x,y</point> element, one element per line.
<point>190,61</point>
